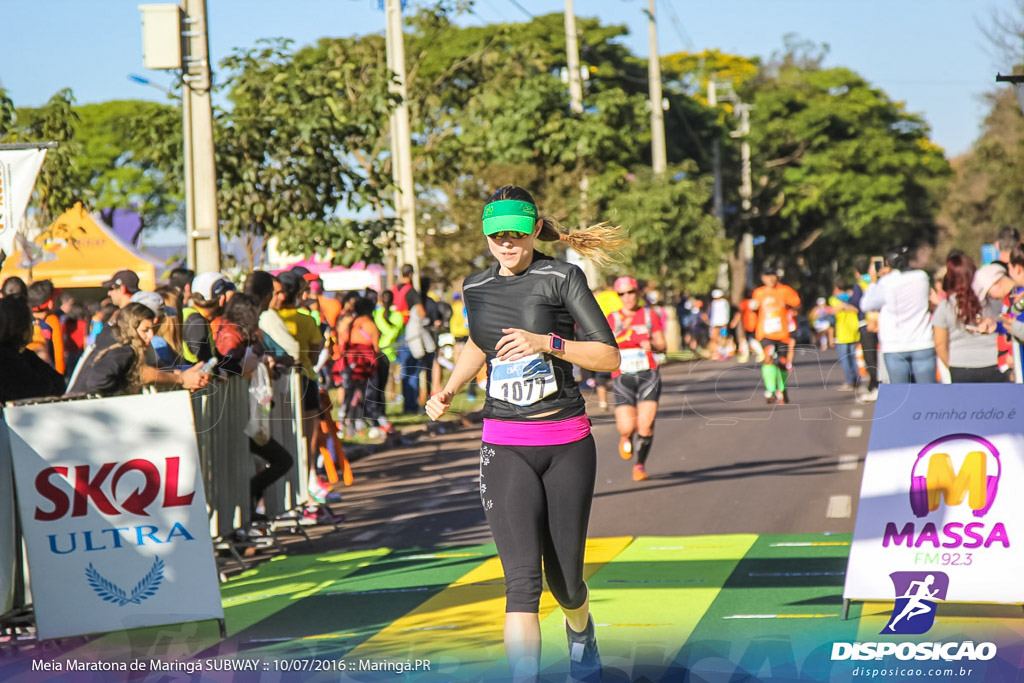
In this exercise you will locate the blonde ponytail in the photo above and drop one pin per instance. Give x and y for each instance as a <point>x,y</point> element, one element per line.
<point>596,242</point>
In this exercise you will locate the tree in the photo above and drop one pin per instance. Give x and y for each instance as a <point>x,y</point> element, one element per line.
<point>117,165</point>
<point>492,110</point>
<point>674,237</point>
<point>986,192</point>
<point>299,153</point>
<point>840,169</point>
<point>56,189</point>
<point>6,113</point>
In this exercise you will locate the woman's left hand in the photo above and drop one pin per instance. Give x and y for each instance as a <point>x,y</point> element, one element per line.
<point>518,344</point>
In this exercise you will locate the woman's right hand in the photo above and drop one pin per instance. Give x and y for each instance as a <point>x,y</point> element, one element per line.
<point>439,404</point>
<point>194,377</point>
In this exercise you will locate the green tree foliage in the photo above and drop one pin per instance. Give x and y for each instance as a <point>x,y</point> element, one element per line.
<point>57,187</point>
<point>302,147</point>
<point>491,109</point>
<point>6,113</point>
<point>674,236</point>
<point>987,191</point>
<point>117,163</point>
<point>839,168</point>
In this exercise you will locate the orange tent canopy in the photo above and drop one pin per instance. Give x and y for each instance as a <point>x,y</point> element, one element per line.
<point>85,253</point>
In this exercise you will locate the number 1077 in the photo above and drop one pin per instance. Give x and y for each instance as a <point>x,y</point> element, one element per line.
<point>521,390</point>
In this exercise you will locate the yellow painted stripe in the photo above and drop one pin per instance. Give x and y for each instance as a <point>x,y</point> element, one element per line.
<point>462,625</point>
<point>671,582</point>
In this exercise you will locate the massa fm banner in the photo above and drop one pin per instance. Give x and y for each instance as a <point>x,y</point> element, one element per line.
<point>113,513</point>
<point>942,493</point>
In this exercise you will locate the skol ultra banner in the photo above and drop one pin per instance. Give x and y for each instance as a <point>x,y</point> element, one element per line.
<point>940,493</point>
<point>114,514</point>
<point>18,171</point>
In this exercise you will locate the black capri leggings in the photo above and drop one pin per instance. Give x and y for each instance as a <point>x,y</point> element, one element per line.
<point>537,501</point>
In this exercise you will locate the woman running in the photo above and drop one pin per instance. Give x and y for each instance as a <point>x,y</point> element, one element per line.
<point>531,318</point>
<point>637,382</point>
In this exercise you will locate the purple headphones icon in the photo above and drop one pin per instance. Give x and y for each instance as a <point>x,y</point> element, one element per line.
<point>919,485</point>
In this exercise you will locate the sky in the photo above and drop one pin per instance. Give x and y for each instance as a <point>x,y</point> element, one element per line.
<point>931,54</point>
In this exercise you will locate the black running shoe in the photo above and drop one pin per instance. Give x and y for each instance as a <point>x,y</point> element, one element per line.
<point>584,660</point>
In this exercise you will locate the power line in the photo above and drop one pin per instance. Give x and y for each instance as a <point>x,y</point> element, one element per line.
<point>522,9</point>
<point>678,26</point>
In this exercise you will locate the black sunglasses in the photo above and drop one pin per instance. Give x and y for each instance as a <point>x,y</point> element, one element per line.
<point>632,291</point>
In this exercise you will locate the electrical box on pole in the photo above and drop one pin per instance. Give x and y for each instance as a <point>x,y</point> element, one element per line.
<point>161,36</point>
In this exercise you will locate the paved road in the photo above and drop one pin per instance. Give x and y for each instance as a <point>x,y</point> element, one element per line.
<point>723,462</point>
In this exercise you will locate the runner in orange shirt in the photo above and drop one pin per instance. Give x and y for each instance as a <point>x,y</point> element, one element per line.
<point>773,302</point>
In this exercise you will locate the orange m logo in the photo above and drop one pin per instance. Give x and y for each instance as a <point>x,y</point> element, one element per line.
<point>944,482</point>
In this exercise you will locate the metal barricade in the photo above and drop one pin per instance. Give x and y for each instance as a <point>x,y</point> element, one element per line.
<point>221,413</point>
<point>288,492</point>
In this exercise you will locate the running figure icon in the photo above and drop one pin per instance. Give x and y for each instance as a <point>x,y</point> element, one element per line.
<point>916,595</point>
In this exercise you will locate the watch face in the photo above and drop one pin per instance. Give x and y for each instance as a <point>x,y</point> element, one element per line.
<point>557,343</point>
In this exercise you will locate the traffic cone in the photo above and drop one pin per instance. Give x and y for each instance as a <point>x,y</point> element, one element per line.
<point>862,367</point>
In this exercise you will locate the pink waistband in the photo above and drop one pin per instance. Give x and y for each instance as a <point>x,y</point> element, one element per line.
<point>539,433</point>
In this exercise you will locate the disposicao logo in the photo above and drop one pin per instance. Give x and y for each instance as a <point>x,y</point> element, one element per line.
<point>917,594</point>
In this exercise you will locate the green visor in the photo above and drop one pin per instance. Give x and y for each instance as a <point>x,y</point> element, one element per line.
<point>509,214</point>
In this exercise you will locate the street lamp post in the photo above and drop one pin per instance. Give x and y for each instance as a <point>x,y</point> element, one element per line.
<point>1017,81</point>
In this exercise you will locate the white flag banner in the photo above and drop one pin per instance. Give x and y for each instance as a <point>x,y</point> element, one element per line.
<point>18,171</point>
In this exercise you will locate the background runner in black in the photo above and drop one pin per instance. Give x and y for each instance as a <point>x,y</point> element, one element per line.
<point>522,314</point>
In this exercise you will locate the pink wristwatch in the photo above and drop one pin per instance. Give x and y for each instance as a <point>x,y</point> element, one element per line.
<point>557,344</point>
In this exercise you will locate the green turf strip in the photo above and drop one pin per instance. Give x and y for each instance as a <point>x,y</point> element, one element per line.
<point>259,593</point>
<point>647,601</point>
<point>348,607</point>
<point>777,615</point>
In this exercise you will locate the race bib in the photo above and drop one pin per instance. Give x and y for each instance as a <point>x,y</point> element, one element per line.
<point>634,360</point>
<point>522,382</point>
<point>772,325</point>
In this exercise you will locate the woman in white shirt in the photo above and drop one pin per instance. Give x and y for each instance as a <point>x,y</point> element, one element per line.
<point>904,322</point>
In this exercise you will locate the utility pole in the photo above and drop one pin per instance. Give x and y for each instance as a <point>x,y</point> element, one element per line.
<point>718,205</point>
<point>401,136</point>
<point>746,189</point>
<point>572,61</point>
<point>659,161</point>
<point>200,167</point>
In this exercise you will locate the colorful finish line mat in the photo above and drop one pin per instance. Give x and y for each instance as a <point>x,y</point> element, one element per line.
<point>695,608</point>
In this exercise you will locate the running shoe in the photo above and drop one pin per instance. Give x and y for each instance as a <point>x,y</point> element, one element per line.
<point>769,397</point>
<point>867,396</point>
<point>625,447</point>
<point>325,516</point>
<point>309,515</point>
<point>584,660</point>
<point>639,473</point>
<point>780,398</point>
<point>317,490</point>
